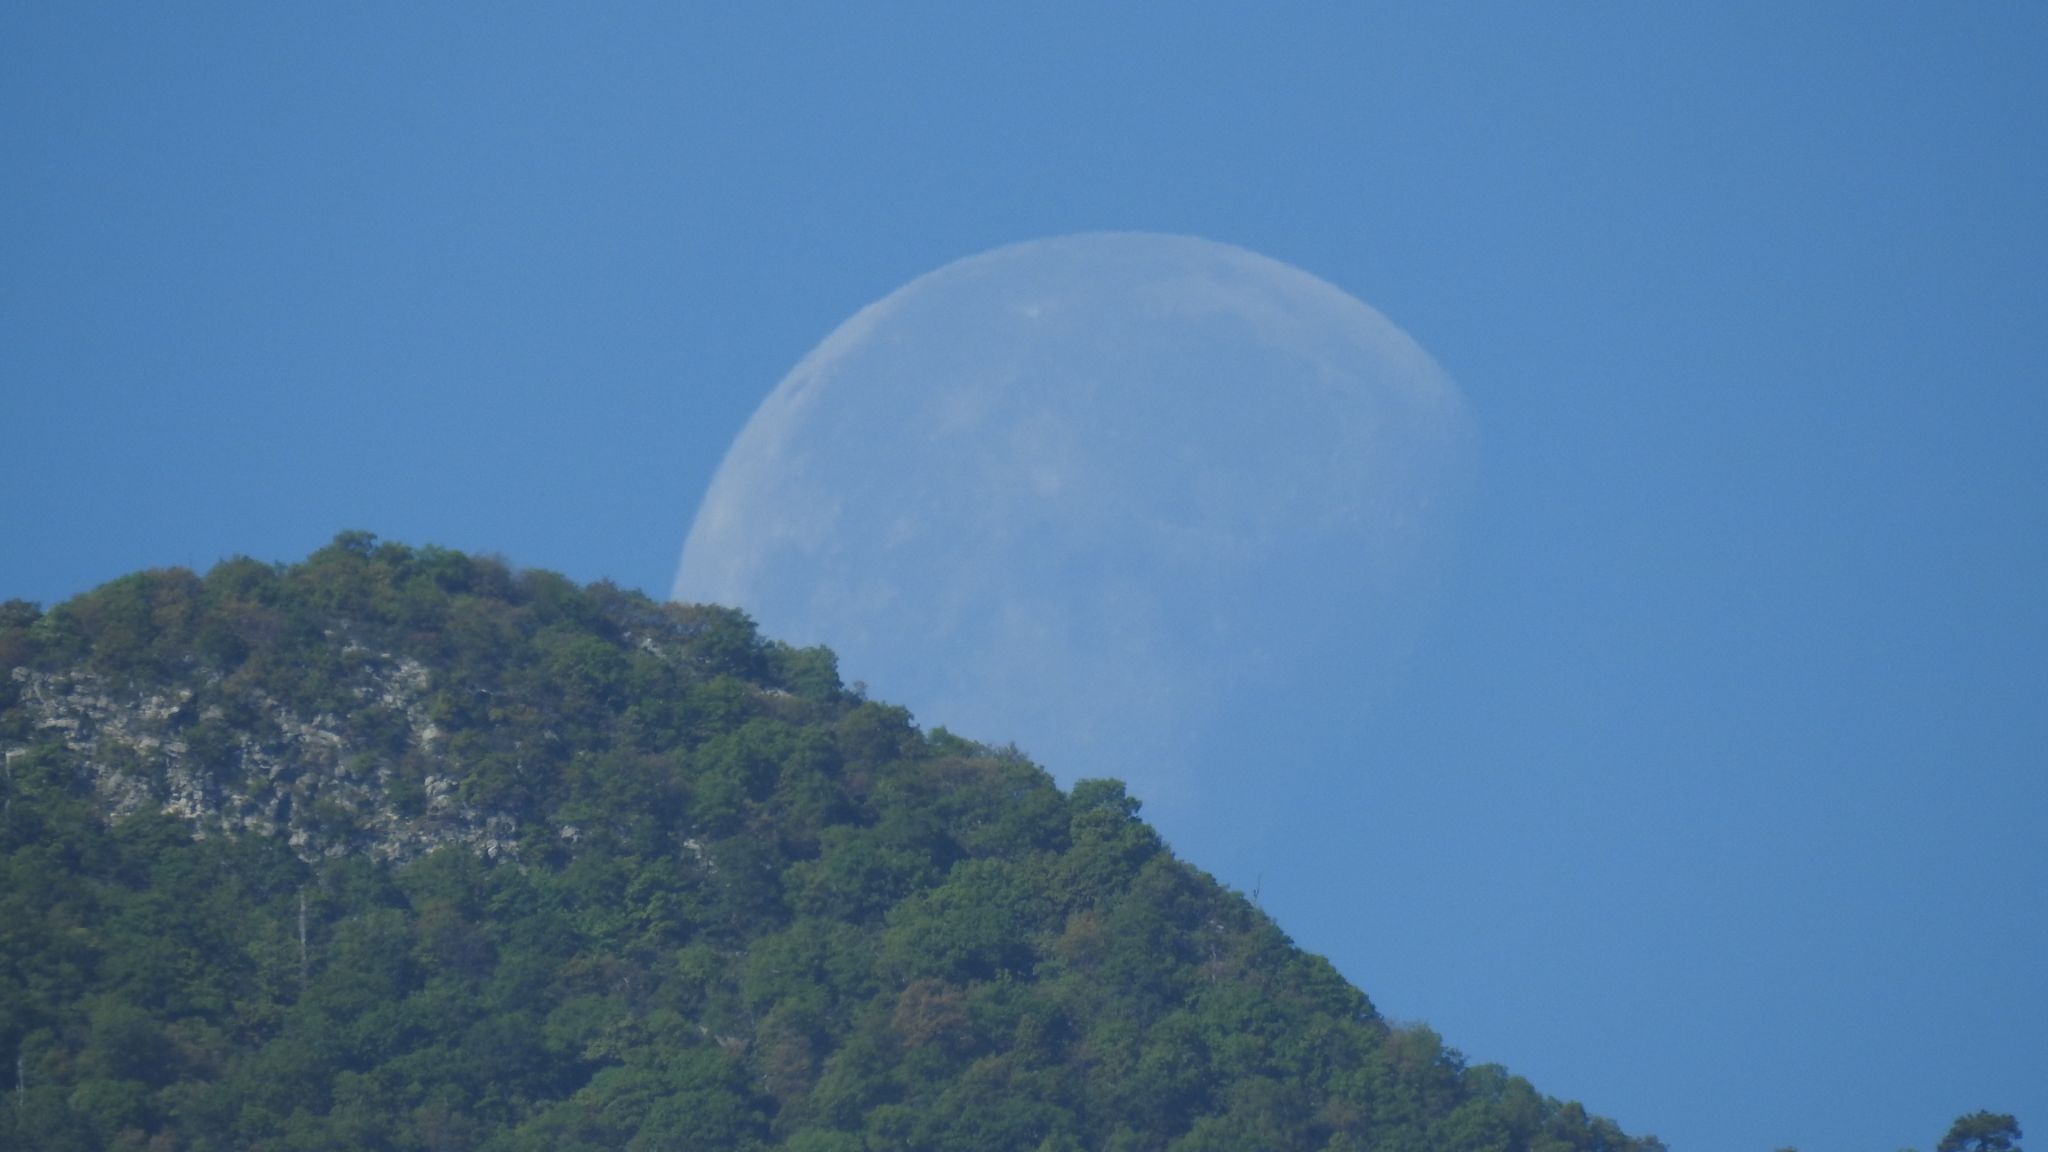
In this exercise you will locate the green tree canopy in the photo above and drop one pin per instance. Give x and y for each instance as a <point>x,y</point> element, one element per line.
<point>1982,1132</point>
<point>400,849</point>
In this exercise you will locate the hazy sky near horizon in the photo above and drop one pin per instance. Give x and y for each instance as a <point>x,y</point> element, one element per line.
<point>1718,800</point>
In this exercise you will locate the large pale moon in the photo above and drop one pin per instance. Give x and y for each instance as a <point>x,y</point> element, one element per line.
<point>1108,496</point>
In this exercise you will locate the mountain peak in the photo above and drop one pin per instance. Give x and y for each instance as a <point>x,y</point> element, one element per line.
<point>403,848</point>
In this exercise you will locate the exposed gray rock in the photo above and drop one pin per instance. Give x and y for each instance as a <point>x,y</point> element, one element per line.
<point>300,777</point>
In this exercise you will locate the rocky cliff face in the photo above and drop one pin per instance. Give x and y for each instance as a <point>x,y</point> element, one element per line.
<point>273,772</point>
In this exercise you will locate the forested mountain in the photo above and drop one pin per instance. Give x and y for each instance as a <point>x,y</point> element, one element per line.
<point>405,849</point>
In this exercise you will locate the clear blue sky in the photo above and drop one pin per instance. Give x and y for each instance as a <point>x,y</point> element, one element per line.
<point>1718,799</point>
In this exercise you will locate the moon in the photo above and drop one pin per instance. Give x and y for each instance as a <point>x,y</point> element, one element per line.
<point>1110,497</point>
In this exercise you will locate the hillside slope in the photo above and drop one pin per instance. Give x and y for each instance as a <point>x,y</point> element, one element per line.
<point>404,849</point>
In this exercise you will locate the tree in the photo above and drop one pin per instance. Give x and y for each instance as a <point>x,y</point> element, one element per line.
<point>1982,1132</point>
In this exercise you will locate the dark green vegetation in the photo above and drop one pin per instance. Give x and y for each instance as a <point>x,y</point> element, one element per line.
<point>489,860</point>
<point>1982,1132</point>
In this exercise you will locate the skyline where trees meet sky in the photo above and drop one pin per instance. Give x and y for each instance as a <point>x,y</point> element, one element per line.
<point>1713,798</point>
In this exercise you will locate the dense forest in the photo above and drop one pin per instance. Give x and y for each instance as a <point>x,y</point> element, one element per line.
<point>406,849</point>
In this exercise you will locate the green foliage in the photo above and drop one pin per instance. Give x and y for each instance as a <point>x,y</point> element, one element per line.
<point>738,907</point>
<point>1982,1132</point>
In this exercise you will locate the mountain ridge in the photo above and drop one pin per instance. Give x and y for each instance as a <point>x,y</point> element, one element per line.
<point>402,848</point>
